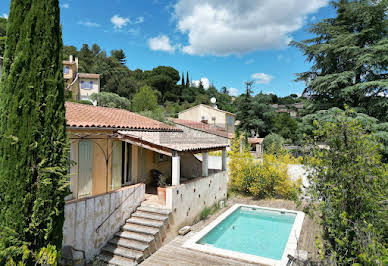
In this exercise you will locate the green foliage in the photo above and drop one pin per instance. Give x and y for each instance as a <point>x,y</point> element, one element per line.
<point>145,100</point>
<point>46,256</point>
<point>33,144</point>
<point>268,179</point>
<point>285,125</point>
<point>208,211</point>
<point>3,32</point>
<point>273,143</point>
<point>85,102</point>
<point>349,58</point>
<point>109,99</point>
<point>348,185</point>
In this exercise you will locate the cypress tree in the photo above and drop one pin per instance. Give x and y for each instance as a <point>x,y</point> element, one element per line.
<point>187,80</point>
<point>183,80</point>
<point>33,143</point>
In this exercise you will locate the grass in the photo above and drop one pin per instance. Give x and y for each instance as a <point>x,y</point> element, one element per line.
<point>209,211</point>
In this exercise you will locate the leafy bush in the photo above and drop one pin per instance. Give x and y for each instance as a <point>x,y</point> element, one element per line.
<point>273,143</point>
<point>348,188</point>
<point>262,180</point>
<point>110,99</point>
<point>205,213</point>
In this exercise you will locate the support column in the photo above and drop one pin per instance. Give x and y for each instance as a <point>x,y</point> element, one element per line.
<point>205,163</point>
<point>176,169</point>
<point>223,160</point>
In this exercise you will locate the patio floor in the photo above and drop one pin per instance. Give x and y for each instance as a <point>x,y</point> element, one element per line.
<point>173,253</point>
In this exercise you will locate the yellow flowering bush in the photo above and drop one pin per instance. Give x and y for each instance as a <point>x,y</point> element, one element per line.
<point>263,179</point>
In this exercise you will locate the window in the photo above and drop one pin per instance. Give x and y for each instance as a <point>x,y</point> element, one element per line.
<point>86,84</point>
<point>230,121</point>
<point>66,70</point>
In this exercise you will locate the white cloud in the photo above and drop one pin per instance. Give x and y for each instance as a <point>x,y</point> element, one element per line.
<point>313,18</point>
<point>205,83</point>
<point>262,78</point>
<point>224,27</point>
<point>89,24</point>
<point>5,16</point>
<point>161,43</point>
<point>233,92</point>
<point>65,5</point>
<point>249,61</point>
<point>119,22</point>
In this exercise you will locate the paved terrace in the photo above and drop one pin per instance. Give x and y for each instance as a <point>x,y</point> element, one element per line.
<point>173,253</point>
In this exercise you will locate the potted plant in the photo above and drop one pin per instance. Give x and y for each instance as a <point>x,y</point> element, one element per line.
<point>162,187</point>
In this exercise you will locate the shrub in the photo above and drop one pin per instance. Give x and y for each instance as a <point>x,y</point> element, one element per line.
<point>273,143</point>
<point>205,213</point>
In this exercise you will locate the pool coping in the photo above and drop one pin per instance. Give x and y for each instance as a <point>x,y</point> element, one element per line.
<point>291,246</point>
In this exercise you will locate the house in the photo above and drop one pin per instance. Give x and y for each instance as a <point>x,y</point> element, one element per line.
<point>81,85</point>
<point>256,146</point>
<point>210,115</point>
<point>115,153</point>
<point>1,65</point>
<point>292,109</point>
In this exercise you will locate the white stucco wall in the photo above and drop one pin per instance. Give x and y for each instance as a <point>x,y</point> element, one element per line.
<point>188,200</point>
<point>83,216</point>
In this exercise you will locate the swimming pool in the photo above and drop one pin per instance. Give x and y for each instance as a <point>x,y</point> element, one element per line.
<point>251,233</point>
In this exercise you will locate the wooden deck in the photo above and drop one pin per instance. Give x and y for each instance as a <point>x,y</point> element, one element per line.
<point>173,253</point>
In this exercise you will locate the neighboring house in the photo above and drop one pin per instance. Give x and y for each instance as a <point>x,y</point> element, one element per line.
<point>81,85</point>
<point>210,115</point>
<point>1,65</point>
<point>292,109</point>
<point>256,146</point>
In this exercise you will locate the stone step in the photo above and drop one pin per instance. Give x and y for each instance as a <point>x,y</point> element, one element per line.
<point>144,208</point>
<point>145,222</point>
<point>123,252</point>
<point>140,229</point>
<point>135,236</point>
<point>116,260</point>
<point>126,243</point>
<point>148,215</point>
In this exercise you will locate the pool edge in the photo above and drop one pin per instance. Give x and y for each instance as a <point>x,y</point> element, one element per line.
<point>291,246</point>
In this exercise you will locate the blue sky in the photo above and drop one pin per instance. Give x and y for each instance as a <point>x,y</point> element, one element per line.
<point>224,42</point>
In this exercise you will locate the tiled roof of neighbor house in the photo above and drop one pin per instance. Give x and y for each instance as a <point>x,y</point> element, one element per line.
<point>88,75</point>
<point>177,141</point>
<point>68,62</point>
<point>89,116</point>
<point>203,127</point>
<point>207,106</point>
<point>255,140</point>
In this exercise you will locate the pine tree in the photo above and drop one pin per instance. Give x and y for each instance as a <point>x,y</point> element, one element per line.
<point>349,57</point>
<point>33,144</point>
<point>183,80</point>
<point>244,110</point>
<point>187,80</point>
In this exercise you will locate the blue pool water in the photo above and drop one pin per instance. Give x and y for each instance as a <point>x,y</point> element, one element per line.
<point>252,231</point>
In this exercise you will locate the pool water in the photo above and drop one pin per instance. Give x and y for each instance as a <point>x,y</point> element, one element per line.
<point>253,231</point>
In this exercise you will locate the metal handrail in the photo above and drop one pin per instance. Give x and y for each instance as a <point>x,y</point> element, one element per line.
<point>106,219</point>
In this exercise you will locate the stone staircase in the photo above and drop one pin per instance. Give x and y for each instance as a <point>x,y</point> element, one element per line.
<point>141,235</point>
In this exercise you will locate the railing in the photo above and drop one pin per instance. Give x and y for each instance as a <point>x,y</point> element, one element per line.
<point>106,219</point>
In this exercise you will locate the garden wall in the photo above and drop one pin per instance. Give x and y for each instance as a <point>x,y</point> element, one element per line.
<point>189,199</point>
<point>83,216</point>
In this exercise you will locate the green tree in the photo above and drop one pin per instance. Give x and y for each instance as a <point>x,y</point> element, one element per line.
<point>285,125</point>
<point>109,99</point>
<point>348,185</point>
<point>145,100</point>
<point>33,144</point>
<point>119,55</point>
<point>183,80</point>
<point>244,110</point>
<point>3,32</point>
<point>187,80</point>
<point>349,58</point>
<point>273,143</point>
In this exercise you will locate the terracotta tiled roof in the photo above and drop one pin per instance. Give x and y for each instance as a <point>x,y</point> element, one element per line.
<point>255,140</point>
<point>203,127</point>
<point>68,62</point>
<point>177,141</point>
<point>88,75</point>
<point>89,116</point>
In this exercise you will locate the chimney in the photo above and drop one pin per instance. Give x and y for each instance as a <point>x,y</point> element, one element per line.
<point>76,62</point>
<point>70,58</point>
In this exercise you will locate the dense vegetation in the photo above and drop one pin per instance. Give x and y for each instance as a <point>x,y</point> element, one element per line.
<point>348,188</point>
<point>33,143</point>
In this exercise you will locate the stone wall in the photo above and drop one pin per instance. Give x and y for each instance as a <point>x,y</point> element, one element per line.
<point>189,199</point>
<point>83,216</point>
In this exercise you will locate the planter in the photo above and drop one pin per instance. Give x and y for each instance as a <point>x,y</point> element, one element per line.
<point>162,194</point>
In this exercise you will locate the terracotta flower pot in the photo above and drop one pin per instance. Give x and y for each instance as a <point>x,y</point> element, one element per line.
<point>162,194</point>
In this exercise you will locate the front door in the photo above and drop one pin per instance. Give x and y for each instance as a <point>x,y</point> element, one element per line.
<point>85,167</point>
